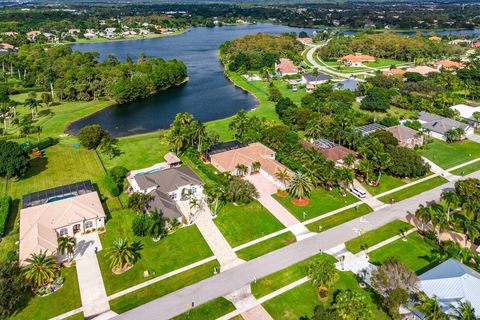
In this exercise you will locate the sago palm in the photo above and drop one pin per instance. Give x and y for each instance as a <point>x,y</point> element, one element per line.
<point>300,186</point>
<point>122,254</point>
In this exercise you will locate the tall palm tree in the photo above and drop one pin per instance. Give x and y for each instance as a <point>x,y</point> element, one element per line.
<point>464,311</point>
<point>214,193</point>
<point>300,186</point>
<point>440,220</point>
<point>66,244</point>
<point>471,228</point>
<point>432,310</point>
<point>471,207</point>
<point>349,160</point>
<point>423,214</point>
<point>450,198</point>
<point>41,268</point>
<point>32,104</point>
<point>241,169</point>
<point>123,254</point>
<point>283,177</point>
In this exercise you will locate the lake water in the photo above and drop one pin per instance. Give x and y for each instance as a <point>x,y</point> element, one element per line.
<point>208,95</point>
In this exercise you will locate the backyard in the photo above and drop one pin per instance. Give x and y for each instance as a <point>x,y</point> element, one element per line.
<point>448,155</point>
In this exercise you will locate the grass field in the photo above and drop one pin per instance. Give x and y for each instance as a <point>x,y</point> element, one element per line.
<point>448,155</point>
<point>414,253</point>
<point>241,224</point>
<point>266,246</point>
<point>65,299</point>
<point>373,237</point>
<point>209,311</point>
<point>321,202</point>
<point>414,190</point>
<point>177,250</point>
<point>386,183</point>
<point>339,218</point>
<point>161,288</point>
<point>383,63</point>
<point>467,169</point>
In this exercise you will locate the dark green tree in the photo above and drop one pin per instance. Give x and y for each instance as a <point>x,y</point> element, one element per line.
<point>14,161</point>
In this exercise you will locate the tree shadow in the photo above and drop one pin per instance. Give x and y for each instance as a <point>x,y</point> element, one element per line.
<point>12,216</point>
<point>37,166</point>
<point>103,200</point>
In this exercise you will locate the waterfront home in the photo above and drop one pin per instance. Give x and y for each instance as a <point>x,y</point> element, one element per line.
<point>369,128</point>
<point>73,31</point>
<point>10,34</point>
<point>394,72</point>
<point>466,113</point>
<point>435,38</point>
<point>406,137</point>
<point>436,125</point>
<point>357,59</point>
<point>315,79</point>
<point>329,149</point>
<point>69,210</point>
<point>423,70</point>
<point>305,40</point>
<point>286,67</point>
<point>236,154</point>
<point>449,65</point>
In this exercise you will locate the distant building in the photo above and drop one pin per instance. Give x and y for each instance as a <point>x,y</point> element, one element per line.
<point>357,59</point>
<point>466,113</point>
<point>11,34</point>
<point>436,125</point>
<point>394,72</point>
<point>435,38</point>
<point>449,65</point>
<point>286,67</point>
<point>305,40</point>
<point>423,70</point>
<point>406,137</point>
<point>73,31</point>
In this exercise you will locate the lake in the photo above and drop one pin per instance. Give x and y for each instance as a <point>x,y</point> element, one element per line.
<point>208,94</point>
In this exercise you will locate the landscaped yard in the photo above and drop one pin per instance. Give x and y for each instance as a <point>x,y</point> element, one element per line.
<point>386,183</point>
<point>241,224</point>
<point>266,246</point>
<point>339,218</point>
<point>414,190</point>
<point>161,288</point>
<point>321,201</point>
<point>448,155</point>
<point>373,237</point>
<point>382,63</point>
<point>65,299</point>
<point>209,311</point>
<point>416,253</point>
<point>177,250</point>
<point>467,169</point>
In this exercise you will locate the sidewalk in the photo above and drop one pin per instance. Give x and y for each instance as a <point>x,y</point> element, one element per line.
<point>438,170</point>
<point>247,306</point>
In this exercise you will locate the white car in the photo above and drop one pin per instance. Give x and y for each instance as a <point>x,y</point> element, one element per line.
<point>358,192</point>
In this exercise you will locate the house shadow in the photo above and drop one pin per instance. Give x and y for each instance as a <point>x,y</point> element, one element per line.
<point>82,247</point>
<point>37,166</point>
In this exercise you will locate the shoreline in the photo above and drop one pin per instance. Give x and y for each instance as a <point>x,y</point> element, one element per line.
<point>134,38</point>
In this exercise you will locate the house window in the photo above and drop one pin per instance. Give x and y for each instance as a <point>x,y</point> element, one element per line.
<point>63,232</point>
<point>194,189</point>
<point>88,224</point>
<point>173,195</point>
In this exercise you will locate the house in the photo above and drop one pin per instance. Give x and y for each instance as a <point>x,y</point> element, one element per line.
<point>369,128</point>
<point>305,40</point>
<point>423,70</point>
<point>172,160</point>
<point>394,72</point>
<point>67,210</point>
<point>10,34</point>
<point>350,84</point>
<point>406,137</point>
<point>73,31</point>
<point>467,113</point>
<point>449,65</point>
<point>357,59</point>
<point>285,67</point>
<point>435,38</point>
<point>227,161</point>
<point>168,187</point>
<point>452,282</point>
<point>315,79</point>
<point>460,41</point>
<point>6,46</point>
<point>32,34</point>
<point>330,150</point>
<point>436,126</point>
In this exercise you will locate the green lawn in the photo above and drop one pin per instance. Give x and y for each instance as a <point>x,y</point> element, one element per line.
<point>321,202</point>
<point>161,288</point>
<point>339,218</point>
<point>241,224</point>
<point>209,311</point>
<point>448,155</point>
<point>386,183</point>
<point>416,253</point>
<point>266,246</point>
<point>302,300</point>
<point>414,190</point>
<point>381,63</point>
<point>373,237</point>
<point>64,300</point>
<point>177,250</point>
<point>467,169</point>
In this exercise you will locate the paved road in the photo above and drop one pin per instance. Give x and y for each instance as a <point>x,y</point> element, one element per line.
<point>220,285</point>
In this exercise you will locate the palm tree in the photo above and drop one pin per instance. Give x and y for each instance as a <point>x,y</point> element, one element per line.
<point>215,193</point>
<point>471,208</point>
<point>464,255</point>
<point>40,269</point>
<point>158,225</point>
<point>432,310</point>
<point>440,220</point>
<point>464,311</point>
<point>241,169</point>
<point>349,160</point>
<point>255,166</point>
<point>450,198</point>
<point>300,186</point>
<point>283,177</point>
<point>66,244</point>
<point>423,215</point>
<point>123,255</point>
<point>323,273</point>
<point>470,228</point>
<point>32,104</point>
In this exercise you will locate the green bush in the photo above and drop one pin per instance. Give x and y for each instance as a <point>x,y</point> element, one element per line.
<point>43,144</point>
<point>208,171</point>
<point>4,213</point>
<point>111,185</point>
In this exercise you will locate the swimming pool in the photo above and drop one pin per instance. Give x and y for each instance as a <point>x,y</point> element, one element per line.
<point>151,171</point>
<point>53,199</point>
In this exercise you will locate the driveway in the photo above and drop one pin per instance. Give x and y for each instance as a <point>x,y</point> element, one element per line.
<point>474,138</point>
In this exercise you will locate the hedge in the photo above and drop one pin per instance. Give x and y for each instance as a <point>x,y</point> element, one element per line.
<point>4,213</point>
<point>43,144</point>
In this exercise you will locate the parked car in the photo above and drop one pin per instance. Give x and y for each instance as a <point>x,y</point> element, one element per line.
<point>358,192</point>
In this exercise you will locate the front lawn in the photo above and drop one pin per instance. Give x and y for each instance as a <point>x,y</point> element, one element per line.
<point>208,311</point>
<point>339,218</point>
<point>161,288</point>
<point>382,63</point>
<point>414,190</point>
<point>448,155</point>
<point>415,253</point>
<point>241,224</point>
<point>373,237</point>
<point>467,169</point>
<point>266,246</point>
<point>177,250</point>
<point>386,183</point>
<point>65,299</point>
<point>321,202</point>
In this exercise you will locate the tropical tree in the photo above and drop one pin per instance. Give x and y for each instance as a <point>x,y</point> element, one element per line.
<point>423,215</point>
<point>300,186</point>
<point>471,208</point>
<point>352,305</point>
<point>470,228</point>
<point>139,201</point>
<point>440,219</point>
<point>66,245</point>
<point>451,199</point>
<point>323,274</point>
<point>108,145</point>
<point>241,169</point>
<point>464,311</point>
<point>349,160</point>
<point>455,134</point>
<point>123,255</point>
<point>431,309</point>
<point>33,105</point>
<point>47,99</point>
<point>283,177</point>
<point>256,166</point>
<point>215,193</point>
<point>40,269</point>
<point>158,225</point>
<point>15,292</point>
<point>344,179</point>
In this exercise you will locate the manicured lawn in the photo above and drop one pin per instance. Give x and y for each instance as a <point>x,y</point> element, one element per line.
<point>467,169</point>
<point>386,183</point>
<point>415,253</point>
<point>373,237</point>
<point>302,300</point>
<point>209,311</point>
<point>448,155</point>
<point>414,190</point>
<point>161,288</point>
<point>380,63</point>
<point>339,218</point>
<point>177,250</point>
<point>266,246</point>
<point>321,201</point>
<point>241,224</point>
<point>65,299</point>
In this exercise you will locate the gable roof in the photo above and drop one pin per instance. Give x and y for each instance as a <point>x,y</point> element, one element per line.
<point>358,57</point>
<point>163,203</point>
<point>452,282</point>
<point>171,158</point>
<point>439,124</point>
<point>394,72</point>
<point>402,133</point>
<point>168,180</point>
<point>449,64</point>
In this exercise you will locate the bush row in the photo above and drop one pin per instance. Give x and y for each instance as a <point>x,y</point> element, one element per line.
<point>4,213</point>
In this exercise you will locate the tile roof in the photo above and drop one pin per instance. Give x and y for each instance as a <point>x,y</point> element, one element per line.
<point>394,72</point>
<point>286,66</point>
<point>168,180</point>
<point>423,70</point>
<point>358,57</point>
<point>333,152</point>
<point>449,64</point>
<point>402,133</point>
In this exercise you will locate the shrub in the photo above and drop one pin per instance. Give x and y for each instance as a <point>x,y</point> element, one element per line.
<point>118,173</point>
<point>4,213</point>
<point>14,160</point>
<point>43,144</point>
<point>430,237</point>
<point>112,186</point>
<point>91,136</point>
<point>141,225</point>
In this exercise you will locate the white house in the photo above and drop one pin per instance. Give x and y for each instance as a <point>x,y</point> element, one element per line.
<point>436,126</point>
<point>466,113</point>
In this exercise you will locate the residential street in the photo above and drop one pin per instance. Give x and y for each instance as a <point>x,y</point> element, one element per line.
<point>226,282</point>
